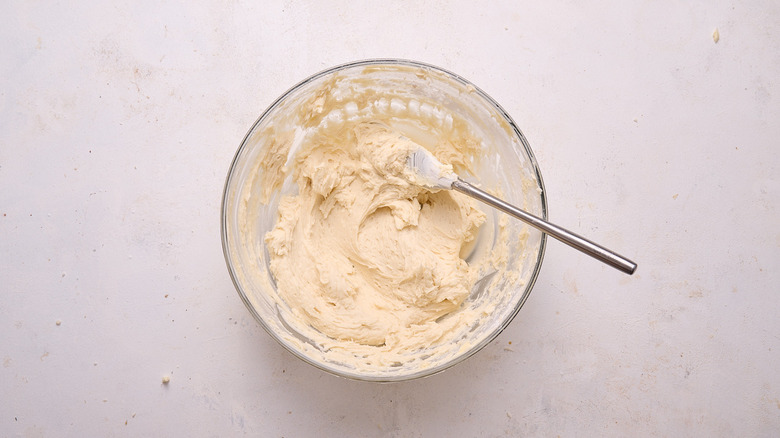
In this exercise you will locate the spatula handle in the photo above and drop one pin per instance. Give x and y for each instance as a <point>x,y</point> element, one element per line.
<point>596,251</point>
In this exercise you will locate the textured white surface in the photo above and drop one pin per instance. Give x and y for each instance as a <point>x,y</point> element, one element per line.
<point>118,122</point>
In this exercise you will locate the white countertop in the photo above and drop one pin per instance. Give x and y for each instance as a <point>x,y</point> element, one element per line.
<point>118,122</point>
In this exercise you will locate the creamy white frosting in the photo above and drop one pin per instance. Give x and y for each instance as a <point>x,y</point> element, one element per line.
<point>362,252</point>
<point>305,174</point>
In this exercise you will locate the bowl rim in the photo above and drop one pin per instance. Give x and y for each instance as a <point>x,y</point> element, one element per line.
<point>427,371</point>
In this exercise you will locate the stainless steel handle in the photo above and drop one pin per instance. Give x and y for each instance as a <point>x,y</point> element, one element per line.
<point>596,251</point>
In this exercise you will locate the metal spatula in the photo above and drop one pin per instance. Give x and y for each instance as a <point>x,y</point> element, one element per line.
<point>432,173</point>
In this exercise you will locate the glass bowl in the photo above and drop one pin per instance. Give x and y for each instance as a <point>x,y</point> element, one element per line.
<point>421,101</point>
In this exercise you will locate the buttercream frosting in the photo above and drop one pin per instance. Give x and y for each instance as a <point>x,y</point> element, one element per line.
<point>362,252</point>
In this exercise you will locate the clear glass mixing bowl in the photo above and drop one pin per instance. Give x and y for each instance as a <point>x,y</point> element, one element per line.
<point>505,165</point>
